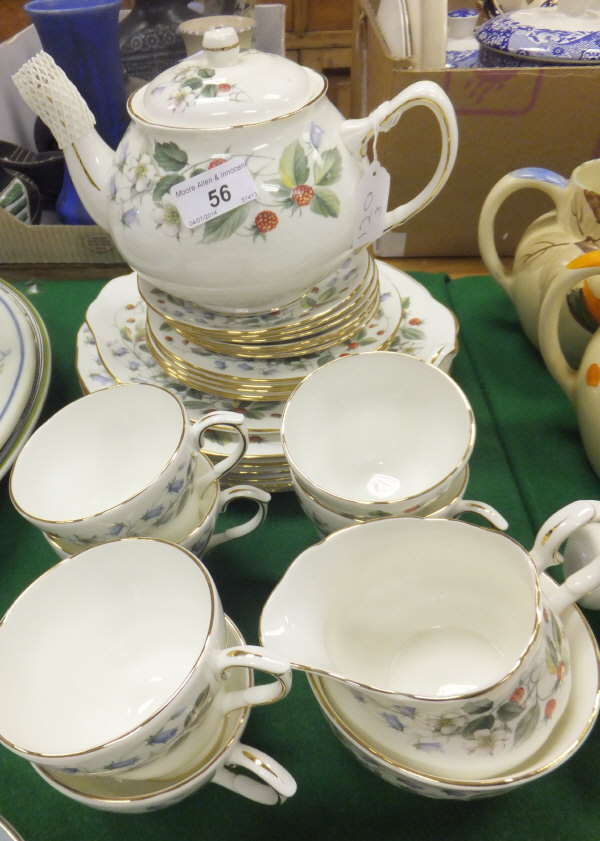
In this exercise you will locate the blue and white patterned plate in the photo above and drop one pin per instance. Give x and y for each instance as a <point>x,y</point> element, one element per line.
<point>543,35</point>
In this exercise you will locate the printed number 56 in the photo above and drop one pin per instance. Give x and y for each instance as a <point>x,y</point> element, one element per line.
<point>216,197</point>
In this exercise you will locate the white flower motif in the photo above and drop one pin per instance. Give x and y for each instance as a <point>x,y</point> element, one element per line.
<point>180,99</point>
<point>140,171</point>
<point>167,217</point>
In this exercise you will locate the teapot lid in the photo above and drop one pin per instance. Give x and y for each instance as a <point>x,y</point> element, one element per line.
<point>223,87</point>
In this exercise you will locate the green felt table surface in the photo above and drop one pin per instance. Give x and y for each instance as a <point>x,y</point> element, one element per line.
<point>528,462</point>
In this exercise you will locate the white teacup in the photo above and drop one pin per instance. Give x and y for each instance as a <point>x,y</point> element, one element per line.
<point>113,654</point>
<point>202,518</point>
<point>185,768</point>
<point>119,462</point>
<point>376,433</point>
<point>450,504</point>
<point>437,634</point>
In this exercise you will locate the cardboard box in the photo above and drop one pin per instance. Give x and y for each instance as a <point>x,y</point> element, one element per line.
<point>86,249</point>
<point>507,119</point>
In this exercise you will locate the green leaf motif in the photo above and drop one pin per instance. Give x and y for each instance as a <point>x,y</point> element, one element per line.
<point>293,166</point>
<point>328,170</point>
<point>509,711</point>
<point>164,185</point>
<point>210,91</point>
<point>526,726</point>
<point>557,634</point>
<point>552,658</point>
<point>194,84</point>
<point>484,722</point>
<point>170,157</point>
<point>222,227</point>
<point>477,707</point>
<point>325,202</point>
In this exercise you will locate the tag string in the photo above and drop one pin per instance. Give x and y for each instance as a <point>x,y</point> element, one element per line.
<point>379,115</point>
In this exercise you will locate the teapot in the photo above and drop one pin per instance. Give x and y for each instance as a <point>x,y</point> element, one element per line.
<point>547,245</point>
<point>581,384</point>
<point>225,117</point>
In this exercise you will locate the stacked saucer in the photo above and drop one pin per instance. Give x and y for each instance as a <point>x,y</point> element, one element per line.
<point>135,333</point>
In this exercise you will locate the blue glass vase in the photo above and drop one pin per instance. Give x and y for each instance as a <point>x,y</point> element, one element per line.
<point>82,36</point>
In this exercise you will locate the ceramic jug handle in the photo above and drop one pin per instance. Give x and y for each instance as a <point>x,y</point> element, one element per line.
<point>236,422</point>
<point>274,784</point>
<point>356,135</point>
<point>549,322</point>
<point>260,659</point>
<point>548,182</point>
<point>546,552</point>
<point>262,499</point>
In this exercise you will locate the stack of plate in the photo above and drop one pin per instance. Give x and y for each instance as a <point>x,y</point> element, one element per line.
<point>134,333</point>
<point>24,372</point>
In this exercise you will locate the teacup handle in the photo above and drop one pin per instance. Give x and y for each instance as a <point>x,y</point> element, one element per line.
<point>274,784</point>
<point>473,506</point>
<point>528,178</point>
<point>227,495</point>
<point>356,135</point>
<point>545,551</point>
<point>260,659</point>
<point>236,422</point>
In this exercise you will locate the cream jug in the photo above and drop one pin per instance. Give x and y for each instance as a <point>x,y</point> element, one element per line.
<point>422,622</point>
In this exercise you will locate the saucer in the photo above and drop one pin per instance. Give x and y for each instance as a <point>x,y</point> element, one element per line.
<point>112,793</point>
<point>24,372</point>
<point>314,308</point>
<point>569,734</point>
<point>239,378</point>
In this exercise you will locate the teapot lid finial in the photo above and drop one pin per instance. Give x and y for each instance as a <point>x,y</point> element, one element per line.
<point>221,46</point>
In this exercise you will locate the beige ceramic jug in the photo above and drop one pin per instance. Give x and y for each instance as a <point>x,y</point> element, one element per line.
<point>547,245</point>
<point>581,384</point>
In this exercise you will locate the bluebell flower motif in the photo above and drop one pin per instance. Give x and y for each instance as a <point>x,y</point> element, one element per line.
<point>117,529</point>
<point>131,217</point>
<point>120,351</point>
<point>153,513</point>
<point>176,485</point>
<point>316,135</point>
<point>392,721</point>
<point>122,763</point>
<point>163,736</point>
<point>133,365</point>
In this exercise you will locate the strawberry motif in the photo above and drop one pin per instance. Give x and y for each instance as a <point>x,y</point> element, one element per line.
<point>265,221</point>
<point>216,162</point>
<point>303,194</point>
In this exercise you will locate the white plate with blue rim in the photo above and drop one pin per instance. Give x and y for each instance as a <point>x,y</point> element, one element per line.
<point>24,371</point>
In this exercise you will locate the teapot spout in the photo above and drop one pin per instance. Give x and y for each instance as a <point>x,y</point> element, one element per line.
<point>55,99</point>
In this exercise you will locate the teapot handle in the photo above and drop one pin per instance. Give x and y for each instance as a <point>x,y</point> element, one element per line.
<point>548,325</point>
<point>529,178</point>
<point>356,135</point>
